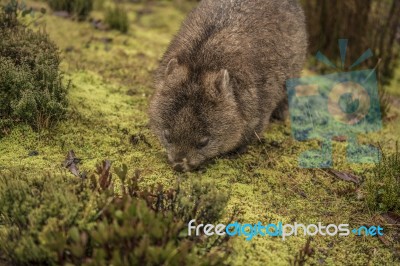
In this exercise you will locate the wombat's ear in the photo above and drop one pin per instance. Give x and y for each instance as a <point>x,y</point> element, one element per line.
<point>221,87</point>
<point>224,80</point>
<point>175,73</point>
<point>172,65</point>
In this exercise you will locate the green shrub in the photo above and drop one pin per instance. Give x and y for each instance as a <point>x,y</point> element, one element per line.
<point>383,186</point>
<point>117,18</point>
<point>61,219</point>
<point>31,89</point>
<point>78,8</point>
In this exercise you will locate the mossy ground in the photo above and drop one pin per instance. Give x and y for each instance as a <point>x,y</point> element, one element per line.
<point>111,77</point>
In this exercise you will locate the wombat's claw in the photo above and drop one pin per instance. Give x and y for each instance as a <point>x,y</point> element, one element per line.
<point>236,153</point>
<point>241,150</point>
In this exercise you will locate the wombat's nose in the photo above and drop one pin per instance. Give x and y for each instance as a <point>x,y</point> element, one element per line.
<point>181,165</point>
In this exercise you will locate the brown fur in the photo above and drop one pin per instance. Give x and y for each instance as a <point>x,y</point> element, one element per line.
<point>223,76</point>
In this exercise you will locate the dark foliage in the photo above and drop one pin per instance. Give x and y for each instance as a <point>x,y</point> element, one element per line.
<point>78,8</point>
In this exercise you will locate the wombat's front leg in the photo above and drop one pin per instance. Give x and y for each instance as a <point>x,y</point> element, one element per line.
<point>281,111</point>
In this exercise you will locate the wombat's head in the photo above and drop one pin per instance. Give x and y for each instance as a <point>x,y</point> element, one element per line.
<point>195,115</point>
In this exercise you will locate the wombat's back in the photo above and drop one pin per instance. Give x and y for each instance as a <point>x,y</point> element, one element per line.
<point>261,42</point>
<point>262,33</point>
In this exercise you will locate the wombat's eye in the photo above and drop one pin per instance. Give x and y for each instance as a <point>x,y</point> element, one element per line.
<point>167,135</point>
<point>203,142</point>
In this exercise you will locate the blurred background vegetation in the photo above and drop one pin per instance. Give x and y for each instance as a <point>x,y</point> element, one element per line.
<point>368,24</point>
<point>49,216</point>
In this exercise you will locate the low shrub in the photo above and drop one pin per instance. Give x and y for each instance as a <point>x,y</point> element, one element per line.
<point>31,88</point>
<point>61,219</point>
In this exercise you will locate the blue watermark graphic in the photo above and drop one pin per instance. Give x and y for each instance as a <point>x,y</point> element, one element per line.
<point>339,104</point>
<point>249,231</point>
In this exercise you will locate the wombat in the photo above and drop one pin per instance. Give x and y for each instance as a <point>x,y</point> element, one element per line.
<point>223,77</point>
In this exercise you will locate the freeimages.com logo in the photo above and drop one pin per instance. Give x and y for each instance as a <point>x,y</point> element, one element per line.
<point>338,104</point>
<point>249,231</point>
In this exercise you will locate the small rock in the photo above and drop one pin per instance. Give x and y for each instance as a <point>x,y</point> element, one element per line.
<point>134,139</point>
<point>69,49</point>
<point>131,92</point>
<point>99,25</point>
<point>106,40</point>
<point>275,144</point>
<point>340,138</point>
<point>33,153</point>
<point>61,14</point>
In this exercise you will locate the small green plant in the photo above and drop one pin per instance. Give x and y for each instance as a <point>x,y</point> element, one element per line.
<point>383,186</point>
<point>31,88</point>
<point>117,18</point>
<point>78,8</point>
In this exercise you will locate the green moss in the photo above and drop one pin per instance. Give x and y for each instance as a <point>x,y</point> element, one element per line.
<point>112,85</point>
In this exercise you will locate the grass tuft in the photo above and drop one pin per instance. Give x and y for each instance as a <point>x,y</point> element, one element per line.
<point>384,185</point>
<point>117,18</point>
